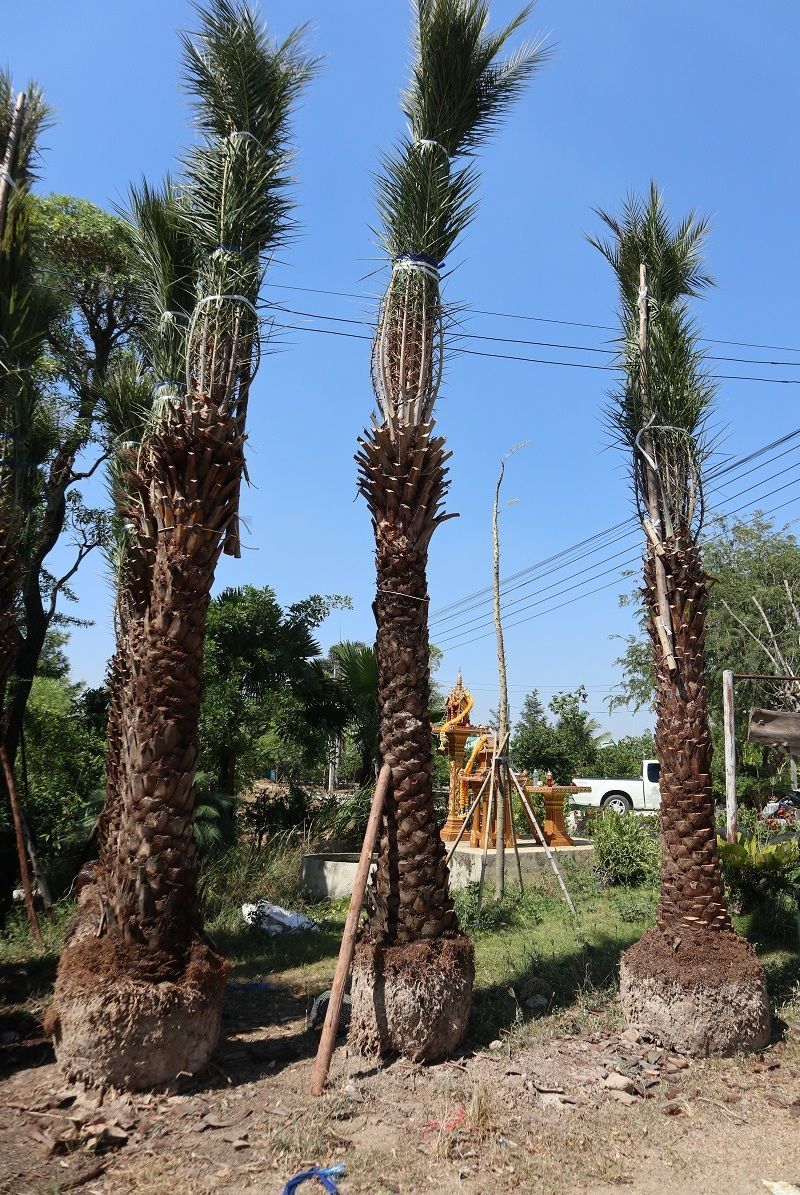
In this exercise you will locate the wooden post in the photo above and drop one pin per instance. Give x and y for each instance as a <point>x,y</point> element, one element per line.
<point>6,176</point>
<point>502,688</point>
<point>23,862</point>
<point>327,1041</point>
<point>730,754</point>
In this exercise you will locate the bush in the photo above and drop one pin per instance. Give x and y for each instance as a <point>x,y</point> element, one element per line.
<point>761,876</point>
<point>626,849</point>
<point>244,873</point>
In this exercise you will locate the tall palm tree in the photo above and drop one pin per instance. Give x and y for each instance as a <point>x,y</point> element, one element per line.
<point>690,981</point>
<point>139,990</point>
<point>413,973</point>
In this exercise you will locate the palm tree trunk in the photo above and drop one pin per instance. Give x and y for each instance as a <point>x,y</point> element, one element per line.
<point>412,957</point>
<point>690,982</point>
<point>145,952</point>
<point>691,880</point>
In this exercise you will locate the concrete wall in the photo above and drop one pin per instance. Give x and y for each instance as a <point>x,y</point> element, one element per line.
<point>329,876</point>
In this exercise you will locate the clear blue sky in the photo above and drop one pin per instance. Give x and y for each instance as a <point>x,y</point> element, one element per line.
<point>702,97</point>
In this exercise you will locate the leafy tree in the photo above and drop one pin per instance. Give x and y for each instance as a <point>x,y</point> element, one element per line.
<point>566,745</point>
<point>268,700</point>
<point>623,758</point>
<point>81,258</point>
<point>751,563</point>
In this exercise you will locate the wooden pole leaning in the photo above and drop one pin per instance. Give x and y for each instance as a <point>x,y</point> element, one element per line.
<point>474,805</point>
<point>327,1041</point>
<point>730,755</point>
<point>537,830</point>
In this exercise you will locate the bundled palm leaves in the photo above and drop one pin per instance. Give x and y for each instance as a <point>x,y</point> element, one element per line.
<point>661,409</point>
<point>457,95</point>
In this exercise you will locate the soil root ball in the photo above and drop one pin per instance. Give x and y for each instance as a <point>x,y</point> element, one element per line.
<point>114,1025</point>
<point>696,990</point>
<point>413,998</point>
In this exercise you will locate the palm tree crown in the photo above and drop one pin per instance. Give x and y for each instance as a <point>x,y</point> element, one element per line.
<point>660,411</point>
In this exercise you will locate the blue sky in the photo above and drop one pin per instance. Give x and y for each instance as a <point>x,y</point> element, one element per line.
<point>701,97</point>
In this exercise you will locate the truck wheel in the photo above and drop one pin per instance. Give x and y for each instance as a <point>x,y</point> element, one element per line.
<point>617,803</point>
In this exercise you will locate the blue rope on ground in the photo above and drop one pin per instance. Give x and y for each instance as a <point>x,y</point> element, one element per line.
<point>324,1176</point>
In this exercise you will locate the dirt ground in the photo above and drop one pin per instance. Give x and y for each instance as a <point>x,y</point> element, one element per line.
<point>564,1103</point>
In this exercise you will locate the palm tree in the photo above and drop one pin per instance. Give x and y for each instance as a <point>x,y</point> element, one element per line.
<point>690,981</point>
<point>139,990</point>
<point>413,973</point>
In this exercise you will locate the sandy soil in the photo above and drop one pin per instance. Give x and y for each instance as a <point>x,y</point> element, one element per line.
<point>560,1105</point>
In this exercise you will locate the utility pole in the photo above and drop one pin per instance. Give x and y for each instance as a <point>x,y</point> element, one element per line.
<point>730,754</point>
<point>9,160</point>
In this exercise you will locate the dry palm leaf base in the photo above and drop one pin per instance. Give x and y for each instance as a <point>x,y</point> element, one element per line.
<point>111,1027</point>
<point>696,990</point>
<point>413,998</point>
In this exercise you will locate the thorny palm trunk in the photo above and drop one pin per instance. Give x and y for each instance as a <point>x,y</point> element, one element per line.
<point>147,865</point>
<point>403,482</point>
<point>691,882</point>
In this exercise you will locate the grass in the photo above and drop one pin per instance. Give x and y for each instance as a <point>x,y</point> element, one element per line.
<point>529,946</point>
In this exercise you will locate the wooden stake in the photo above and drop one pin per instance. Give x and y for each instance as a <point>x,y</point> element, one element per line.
<point>537,830</point>
<point>23,861</point>
<point>730,755</point>
<point>327,1041</point>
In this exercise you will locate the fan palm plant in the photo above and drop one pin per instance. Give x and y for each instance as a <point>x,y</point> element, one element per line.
<point>139,990</point>
<point>413,973</point>
<point>691,981</point>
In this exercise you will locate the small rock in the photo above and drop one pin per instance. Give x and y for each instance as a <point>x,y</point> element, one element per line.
<point>677,1062</point>
<point>631,1035</point>
<point>624,1097</point>
<point>351,1092</point>
<point>496,1044</point>
<point>537,1004</point>
<point>618,1082</point>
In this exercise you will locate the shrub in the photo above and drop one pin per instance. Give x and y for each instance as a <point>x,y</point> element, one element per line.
<point>761,876</point>
<point>244,873</point>
<point>626,849</point>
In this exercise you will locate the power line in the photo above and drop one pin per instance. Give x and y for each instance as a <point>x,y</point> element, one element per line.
<point>344,294</point>
<point>593,542</point>
<point>457,348</point>
<point>615,580</point>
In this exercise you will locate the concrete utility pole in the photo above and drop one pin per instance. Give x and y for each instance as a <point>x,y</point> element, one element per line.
<point>9,159</point>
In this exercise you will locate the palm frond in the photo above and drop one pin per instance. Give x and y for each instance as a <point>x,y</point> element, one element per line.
<point>660,411</point>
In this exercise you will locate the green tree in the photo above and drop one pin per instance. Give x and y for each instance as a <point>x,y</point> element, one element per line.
<point>566,745</point>
<point>268,700</point>
<point>670,987</point>
<point>752,564</point>
<point>81,258</point>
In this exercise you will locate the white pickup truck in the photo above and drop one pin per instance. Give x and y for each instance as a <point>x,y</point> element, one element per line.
<point>622,796</point>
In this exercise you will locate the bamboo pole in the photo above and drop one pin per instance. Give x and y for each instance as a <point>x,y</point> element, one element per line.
<point>473,807</point>
<point>23,862</point>
<point>327,1041</point>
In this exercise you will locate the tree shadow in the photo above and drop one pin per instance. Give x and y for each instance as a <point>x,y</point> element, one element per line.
<point>23,1043</point>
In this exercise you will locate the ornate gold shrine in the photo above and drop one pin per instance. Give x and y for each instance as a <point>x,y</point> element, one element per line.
<point>469,749</point>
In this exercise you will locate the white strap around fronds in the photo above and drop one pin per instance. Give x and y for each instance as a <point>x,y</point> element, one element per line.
<point>407,262</point>
<point>6,177</point>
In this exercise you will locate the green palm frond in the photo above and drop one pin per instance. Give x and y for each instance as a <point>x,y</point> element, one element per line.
<point>661,409</point>
<point>460,91</point>
<point>168,262</point>
<point>37,117</point>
